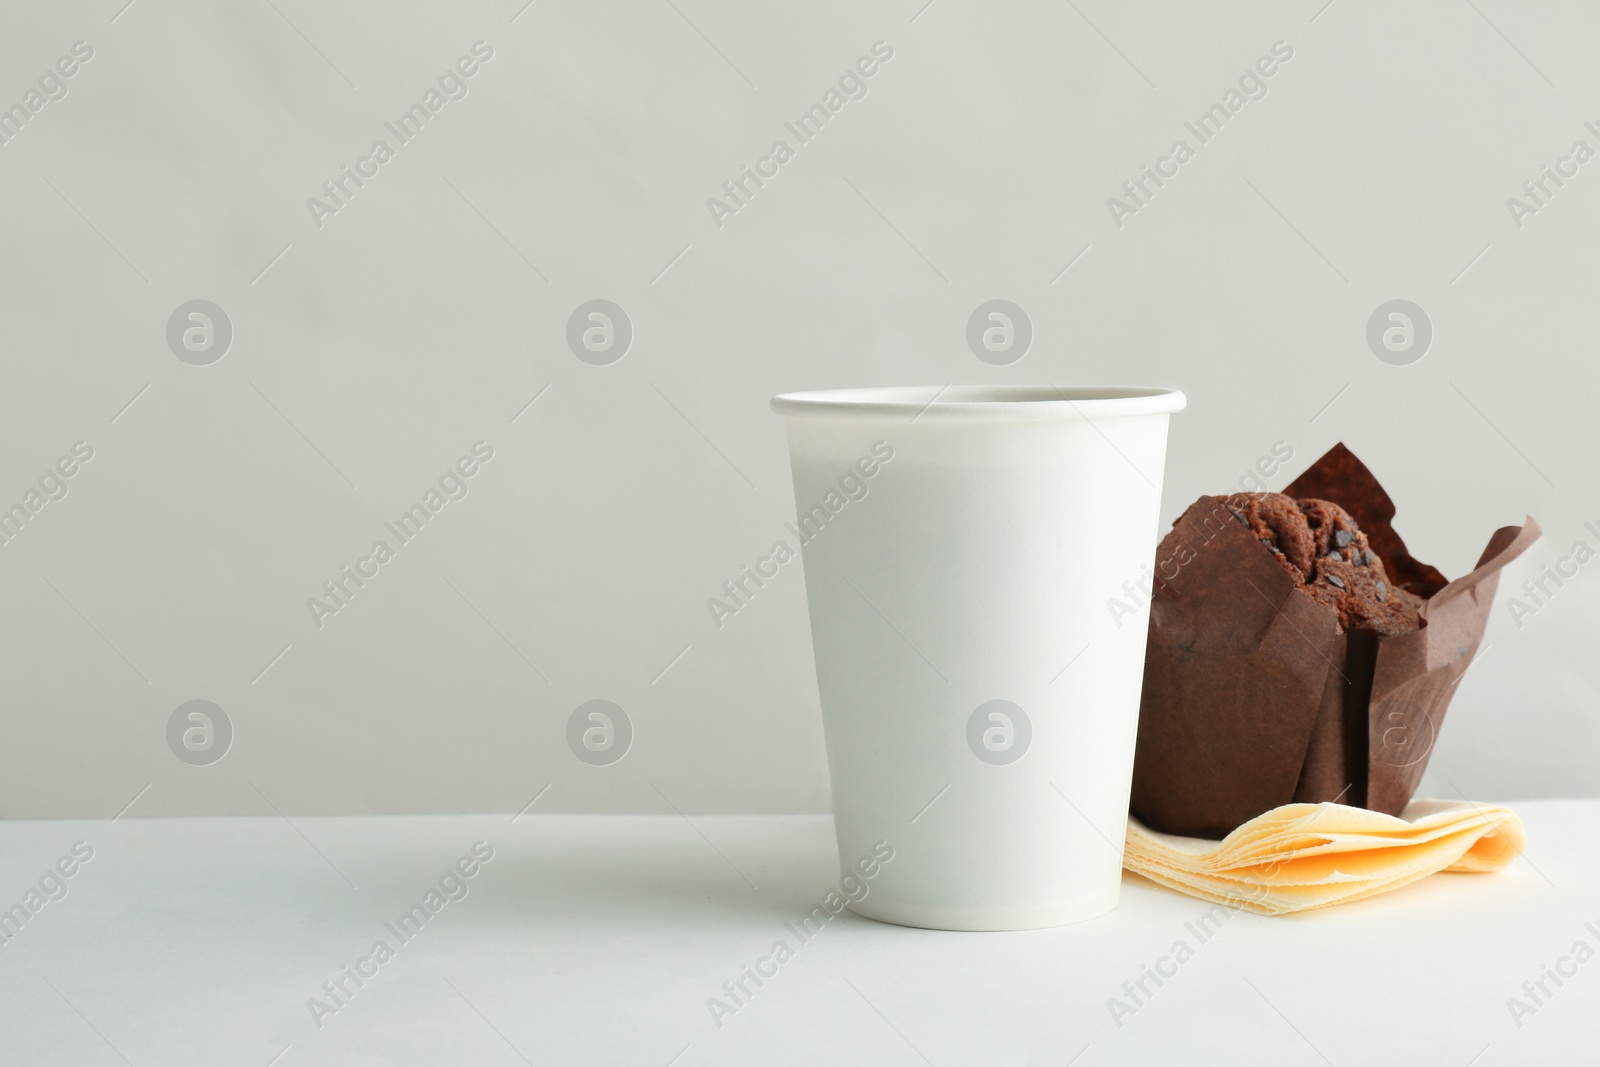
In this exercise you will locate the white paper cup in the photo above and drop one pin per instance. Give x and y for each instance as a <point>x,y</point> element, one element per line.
<point>980,701</point>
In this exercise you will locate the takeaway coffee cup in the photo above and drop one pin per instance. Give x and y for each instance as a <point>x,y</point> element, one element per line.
<point>980,698</point>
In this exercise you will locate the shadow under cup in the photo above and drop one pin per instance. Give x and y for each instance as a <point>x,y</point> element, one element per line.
<point>980,698</point>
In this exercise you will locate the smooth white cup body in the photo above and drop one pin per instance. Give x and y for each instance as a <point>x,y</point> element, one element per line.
<point>979,564</point>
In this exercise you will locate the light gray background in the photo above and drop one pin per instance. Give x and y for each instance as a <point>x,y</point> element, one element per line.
<point>370,353</point>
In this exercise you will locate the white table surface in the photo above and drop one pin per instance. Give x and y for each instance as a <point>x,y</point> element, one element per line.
<point>599,939</point>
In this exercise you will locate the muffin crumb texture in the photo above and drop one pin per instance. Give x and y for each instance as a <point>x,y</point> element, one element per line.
<point>1321,547</point>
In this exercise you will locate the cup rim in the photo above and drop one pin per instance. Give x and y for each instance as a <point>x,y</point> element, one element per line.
<point>980,401</point>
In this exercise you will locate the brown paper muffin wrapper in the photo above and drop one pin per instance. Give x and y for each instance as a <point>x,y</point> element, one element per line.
<point>1255,697</point>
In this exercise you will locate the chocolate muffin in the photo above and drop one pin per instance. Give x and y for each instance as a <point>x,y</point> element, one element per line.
<point>1321,547</point>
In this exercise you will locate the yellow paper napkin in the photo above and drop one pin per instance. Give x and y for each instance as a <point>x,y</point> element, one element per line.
<point>1304,856</point>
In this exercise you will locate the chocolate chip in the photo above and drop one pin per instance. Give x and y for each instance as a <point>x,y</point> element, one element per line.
<point>1268,542</point>
<point>1240,516</point>
<point>1341,538</point>
<point>1335,580</point>
<point>1382,590</point>
<point>1368,558</point>
<point>1335,556</point>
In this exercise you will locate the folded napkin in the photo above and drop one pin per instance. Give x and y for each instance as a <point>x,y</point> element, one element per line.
<point>1302,856</point>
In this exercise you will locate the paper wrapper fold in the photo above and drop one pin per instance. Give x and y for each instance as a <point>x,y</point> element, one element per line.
<point>1304,856</point>
<point>1255,697</point>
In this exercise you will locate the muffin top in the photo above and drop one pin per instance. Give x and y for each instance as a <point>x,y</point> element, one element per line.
<point>1322,548</point>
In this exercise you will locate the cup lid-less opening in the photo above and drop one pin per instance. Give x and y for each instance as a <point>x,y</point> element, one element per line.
<point>980,402</point>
